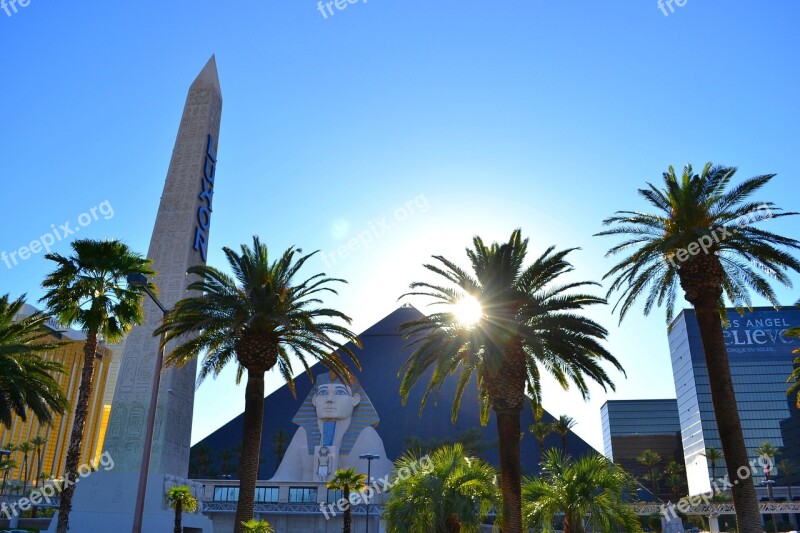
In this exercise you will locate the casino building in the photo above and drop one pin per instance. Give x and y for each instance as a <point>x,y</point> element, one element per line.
<point>57,433</point>
<point>367,418</point>
<point>761,360</point>
<point>632,426</point>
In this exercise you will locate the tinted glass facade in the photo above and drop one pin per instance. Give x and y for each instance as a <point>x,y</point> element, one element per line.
<point>632,426</point>
<point>760,358</point>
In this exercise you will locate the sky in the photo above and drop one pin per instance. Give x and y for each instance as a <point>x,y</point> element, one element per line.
<point>430,121</point>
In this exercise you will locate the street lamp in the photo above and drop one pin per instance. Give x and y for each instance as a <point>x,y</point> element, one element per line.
<point>369,457</point>
<point>140,280</point>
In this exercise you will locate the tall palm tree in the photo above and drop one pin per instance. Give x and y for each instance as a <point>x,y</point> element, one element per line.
<point>7,464</point>
<point>38,444</point>
<point>89,290</point>
<point>590,490</point>
<point>258,319</point>
<point>280,442</point>
<point>540,431</point>
<point>25,472</point>
<point>226,461</point>
<point>530,319</point>
<point>180,500</point>
<point>455,494</point>
<point>713,455</point>
<point>347,481</point>
<point>703,237</point>
<point>676,477</point>
<point>199,458</point>
<point>769,451</point>
<point>795,377</point>
<point>650,460</point>
<point>563,425</point>
<point>27,380</point>
<point>787,468</point>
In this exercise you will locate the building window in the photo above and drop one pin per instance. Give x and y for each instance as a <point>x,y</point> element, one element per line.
<point>302,495</point>
<point>226,494</point>
<point>267,494</point>
<point>334,495</point>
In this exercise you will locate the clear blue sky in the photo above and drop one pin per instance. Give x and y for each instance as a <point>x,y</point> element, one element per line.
<point>495,115</point>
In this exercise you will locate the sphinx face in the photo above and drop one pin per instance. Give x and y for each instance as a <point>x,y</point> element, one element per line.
<point>335,401</point>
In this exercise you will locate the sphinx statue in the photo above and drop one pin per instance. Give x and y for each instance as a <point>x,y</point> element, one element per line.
<point>337,424</point>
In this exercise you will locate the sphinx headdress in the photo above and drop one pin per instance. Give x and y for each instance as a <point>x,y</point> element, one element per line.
<point>364,414</point>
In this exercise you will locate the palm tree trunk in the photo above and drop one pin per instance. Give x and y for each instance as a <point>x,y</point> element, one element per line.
<point>251,447</point>
<point>654,481</point>
<point>76,438</point>
<point>347,519</point>
<point>25,472</point>
<point>713,478</point>
<point>508,429</point>
<point>748,516</point>
<point>453,524</point>
<point>567,523</point>
<point>178,517</point>
<point>39,465</point>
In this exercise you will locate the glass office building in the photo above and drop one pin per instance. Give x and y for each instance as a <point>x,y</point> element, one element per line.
<point>760,357</point>
<point>633,426</point>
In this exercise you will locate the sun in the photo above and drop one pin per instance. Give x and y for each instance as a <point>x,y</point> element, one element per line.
<point>468,311</point>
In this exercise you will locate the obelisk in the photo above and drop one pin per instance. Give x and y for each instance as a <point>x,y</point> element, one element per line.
<point>105,500</point>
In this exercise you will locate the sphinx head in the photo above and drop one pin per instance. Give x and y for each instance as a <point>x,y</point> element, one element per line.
<point>334,401</point>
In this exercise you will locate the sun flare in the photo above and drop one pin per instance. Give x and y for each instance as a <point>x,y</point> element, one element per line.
<point>468,311</point>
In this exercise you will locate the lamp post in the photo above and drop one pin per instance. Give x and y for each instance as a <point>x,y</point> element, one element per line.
<point>4,453</point>
<point>140,280</point>
<point>369,457</point>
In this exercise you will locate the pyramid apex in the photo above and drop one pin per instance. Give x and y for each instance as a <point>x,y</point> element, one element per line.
<point>209,75</point>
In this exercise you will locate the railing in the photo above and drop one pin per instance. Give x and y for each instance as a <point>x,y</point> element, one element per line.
<point>289,508</point>
<point>8,500</point>
<point>707,509</point>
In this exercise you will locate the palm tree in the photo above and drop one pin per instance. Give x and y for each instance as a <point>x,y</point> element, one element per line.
<point>713,455</point>
<point>768,451</point>
<point>38,443</point>
<point>199,459</point>
<point>795,332</point>
<point>260,526</point>
<point>650,460</point>
<point>347,481</point>
<point>528,321</point>
<point>676,478</point>
<point>181,500</point>
<point>27,380</point>
<point>226,461</point>
<point>540,430</point>
<point>7,464</point>
<point>280,441</point>
<point>787,468</point>
<point>259,320</point>
<point>454,494</point>
<point>89,290</point>
<point>25,472</point>
<point>704,238</point>
<point>562,426</point>
<point>590,490</point>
